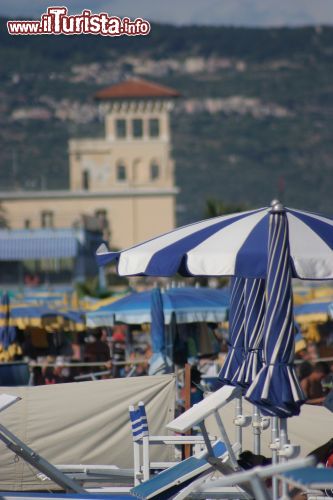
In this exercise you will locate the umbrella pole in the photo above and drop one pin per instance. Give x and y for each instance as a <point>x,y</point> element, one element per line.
<point>283,442</point>
<point>256,423</point>
<point>239,430</point>
<point>274,448</point>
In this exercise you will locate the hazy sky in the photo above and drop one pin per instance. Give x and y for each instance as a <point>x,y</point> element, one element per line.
<point>217,12</point>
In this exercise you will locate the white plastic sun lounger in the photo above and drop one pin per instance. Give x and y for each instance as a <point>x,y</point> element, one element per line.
<point>254,477</point>
<point>170,481</point>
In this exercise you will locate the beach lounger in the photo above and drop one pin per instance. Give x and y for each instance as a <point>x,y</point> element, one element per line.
<point>215,457</point>
<point>170,481</point>
<point>254,478</point>
<point>310,478</point>
<point>142,439</point>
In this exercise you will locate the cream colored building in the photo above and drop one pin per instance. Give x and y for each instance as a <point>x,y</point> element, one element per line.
<point>125,179</point>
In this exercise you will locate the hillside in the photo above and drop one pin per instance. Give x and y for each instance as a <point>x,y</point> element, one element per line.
<point>255,117</point>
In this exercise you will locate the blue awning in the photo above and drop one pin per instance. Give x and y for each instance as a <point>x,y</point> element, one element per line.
<point>38,244</point>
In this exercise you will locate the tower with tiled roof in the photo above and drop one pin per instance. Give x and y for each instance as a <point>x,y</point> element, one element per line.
<point>134,155</point>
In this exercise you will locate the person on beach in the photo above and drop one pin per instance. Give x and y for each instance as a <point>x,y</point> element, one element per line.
<point>312,385</point>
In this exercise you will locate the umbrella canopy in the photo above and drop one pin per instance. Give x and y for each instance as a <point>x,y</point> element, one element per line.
<point>276,390</point>
<point>24,316</point>
<point>7,330</point>
<point>231,245</point>
<point>159,363</point>
<point>189,304</point>
<point>235,354</point>
<point>254,315</point>
<point>312,312</point>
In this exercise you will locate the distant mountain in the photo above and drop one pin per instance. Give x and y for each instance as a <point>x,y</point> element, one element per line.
<point>255,120</point>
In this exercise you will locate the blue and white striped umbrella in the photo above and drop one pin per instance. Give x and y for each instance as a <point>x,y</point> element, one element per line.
<point>231,245</point>
<point>234,358</point>
<point>158,363</point>
<point>254,315</point>
<point>276,390</point>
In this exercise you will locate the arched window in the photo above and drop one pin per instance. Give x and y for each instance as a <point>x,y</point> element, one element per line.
<point>121,172</point>
<point>154,171</point>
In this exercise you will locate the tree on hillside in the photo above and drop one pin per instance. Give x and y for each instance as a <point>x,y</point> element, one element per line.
<point>214,208</point>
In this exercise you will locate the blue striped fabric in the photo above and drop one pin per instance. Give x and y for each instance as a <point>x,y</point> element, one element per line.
<point>7,330</point>
<point>38,244</point>
<point>276,390</point>
<point>176,475</point>
<point>232,245</point>
<point>235,354</point>
<point>254,299</point>
<point>139,422</point>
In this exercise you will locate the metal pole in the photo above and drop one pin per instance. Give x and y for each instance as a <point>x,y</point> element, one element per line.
<point>22,450</point>
<point>226,440</point>
<point>239,430</point>
<point>274,438</point>
<point>256,430</point>
<point>284,441</point>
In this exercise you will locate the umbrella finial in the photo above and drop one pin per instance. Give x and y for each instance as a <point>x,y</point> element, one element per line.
<point>277,206</point>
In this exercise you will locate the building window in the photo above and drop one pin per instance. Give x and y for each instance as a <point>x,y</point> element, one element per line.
<point>121,172</point>
<point>121,131</point>
<point>154,127</point>
<point>47,218</point>
<point>154,171</point>
<point>85,180</point>
<point>27,224</point>
<point>137,125</point>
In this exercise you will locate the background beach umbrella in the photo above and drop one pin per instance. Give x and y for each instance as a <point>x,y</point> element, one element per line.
<point>254,315</point>
<point>7,329</point>
<point>235,356</point>
<point>313,312</point>
<point>159,363</point>
<point>276,390</point>
<point>188,304</point>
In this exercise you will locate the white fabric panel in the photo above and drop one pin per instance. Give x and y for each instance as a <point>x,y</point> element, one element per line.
<point>83,423</point>
<point>312,257</point>
<point>216,256</point>
<point>135,260</point>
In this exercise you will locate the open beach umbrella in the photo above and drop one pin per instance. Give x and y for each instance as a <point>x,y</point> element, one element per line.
<point>276,390</point>
<point>230,245</point>
<point>187,304</point>
<point>313,312</point>
<point>237,245</point>
<point>254,314</point>
<point>7,329</point>
<point>235,356</point>
<point>159,363</point>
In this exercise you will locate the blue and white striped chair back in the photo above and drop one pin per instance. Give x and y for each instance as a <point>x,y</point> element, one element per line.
<point>139,422</point>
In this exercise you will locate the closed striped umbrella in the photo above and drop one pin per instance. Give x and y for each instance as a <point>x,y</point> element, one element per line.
<point>159,363</point>
<point>254,314</point>
<point>236,333</point>
<point>276,390</point>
